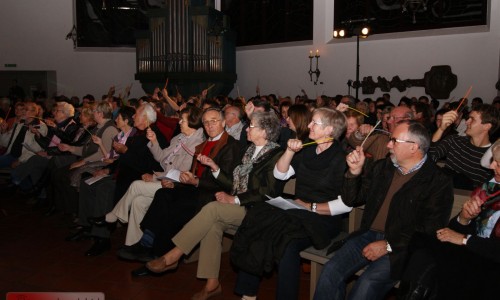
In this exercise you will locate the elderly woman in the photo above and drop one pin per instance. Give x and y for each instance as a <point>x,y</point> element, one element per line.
<point>65,196</point>
<point>319,170</point>
<point>251,181</point>
<point>468,259</point>
<point>135,159</point>
<point>177,157</point>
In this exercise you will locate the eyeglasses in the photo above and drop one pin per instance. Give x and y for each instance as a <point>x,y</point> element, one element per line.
<point>396,140</point>
<point>316,122</point>
<point>253,126</point>
<point>210,122</point>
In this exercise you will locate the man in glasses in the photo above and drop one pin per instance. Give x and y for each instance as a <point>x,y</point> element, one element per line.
<point>375,145</point>
<point>404,196</point>
<point>462,154</point>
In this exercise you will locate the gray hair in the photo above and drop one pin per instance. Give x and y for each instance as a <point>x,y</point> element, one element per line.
<point>269,122</point>
<point>418,133</point>
<point>105,108</point>
<point>220,111</point>
<point>149,111</point>
<point>334,118</point>
<point>68,109</point>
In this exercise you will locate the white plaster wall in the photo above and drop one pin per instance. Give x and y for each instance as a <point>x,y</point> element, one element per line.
<point>32,35</point>
<point>473,57</point>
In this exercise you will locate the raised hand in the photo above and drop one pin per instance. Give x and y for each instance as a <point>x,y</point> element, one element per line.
<point>151,135</point>
<point>294,145</point>
<point>448,119</point>
<point>470,210</point>
<point>249,108</point>
<point>97,140</point>
<point>207,161</point>
<point>355,161</point>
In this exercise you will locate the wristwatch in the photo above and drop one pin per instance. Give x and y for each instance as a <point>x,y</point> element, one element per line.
<point>314,206</point>
<point>388,247</point>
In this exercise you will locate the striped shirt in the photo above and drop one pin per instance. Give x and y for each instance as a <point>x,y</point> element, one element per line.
<point>462,157</point>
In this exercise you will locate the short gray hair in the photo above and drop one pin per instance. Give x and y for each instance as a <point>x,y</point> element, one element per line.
<point>105,108</point>
<point>334,118</point>
<point>149,111</point>
<point>418,133</point>
<point>268,121</point>
<point>68,109</point>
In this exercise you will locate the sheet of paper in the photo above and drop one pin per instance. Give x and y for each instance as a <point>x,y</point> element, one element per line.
<point>173,175</point>
<point>93,180</point>
<point>283,203</point>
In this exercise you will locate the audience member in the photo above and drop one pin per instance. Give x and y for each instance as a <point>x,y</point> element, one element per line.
<point>462,155</point>
<point>233,116</point>
<point>403,195</point>
<point>269,235</point>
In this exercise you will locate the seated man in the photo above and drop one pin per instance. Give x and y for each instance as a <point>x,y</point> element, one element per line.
<point>22,144</point>
<point>233,116</point>
<point>61,130</point>
<point>178,201</point>
<point>403,195</point>
<point>375,144</point>
<point>463,154</point>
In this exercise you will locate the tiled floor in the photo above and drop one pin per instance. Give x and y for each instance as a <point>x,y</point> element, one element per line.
<point>35,257</point>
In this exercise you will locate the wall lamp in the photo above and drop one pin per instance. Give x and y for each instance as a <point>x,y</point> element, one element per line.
<point>316,72</point>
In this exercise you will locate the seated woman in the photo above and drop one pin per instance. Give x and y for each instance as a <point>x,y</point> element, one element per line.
<point>251,181</point>
<point>177,157</point>
<point>65,197</point>
<point>319,170</point>
<point>468,260</point>
<point>194,186</point>
<point>298,118</point>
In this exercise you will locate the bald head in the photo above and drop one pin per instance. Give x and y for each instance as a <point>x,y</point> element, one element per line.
<point>399,113</point>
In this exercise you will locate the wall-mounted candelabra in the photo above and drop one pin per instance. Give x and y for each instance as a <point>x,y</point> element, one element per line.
<point>316,72</point>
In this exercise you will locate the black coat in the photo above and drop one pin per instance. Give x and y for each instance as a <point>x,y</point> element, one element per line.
<point>422,205</point>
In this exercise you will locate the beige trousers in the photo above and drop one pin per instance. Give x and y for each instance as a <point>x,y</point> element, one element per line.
<point>137,199</point>
<point>207,228</point>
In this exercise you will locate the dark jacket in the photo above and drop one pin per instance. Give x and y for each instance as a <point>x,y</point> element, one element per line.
<point>226,154</point>
<point>485,247</point>
<point>64,130</point>
<point>421,205</point>
<point>261,181</point>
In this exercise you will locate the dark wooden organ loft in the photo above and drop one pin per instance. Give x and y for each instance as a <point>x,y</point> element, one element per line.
<point>190,45</point>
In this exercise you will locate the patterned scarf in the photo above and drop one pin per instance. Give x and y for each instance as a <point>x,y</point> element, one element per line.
<point>241,172</point>
<point>488,223</point>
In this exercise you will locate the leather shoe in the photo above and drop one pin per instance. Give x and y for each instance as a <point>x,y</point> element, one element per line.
<point>98,221</point>
<point>136,252</point>
<point>142,271</point>
<point>159,265</point>
<point>81,233</point>
<point>100,246</point>
<point>204,294</point>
